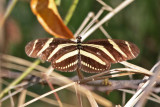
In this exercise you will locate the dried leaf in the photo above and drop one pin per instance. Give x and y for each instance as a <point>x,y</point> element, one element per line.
<point>48,16</point>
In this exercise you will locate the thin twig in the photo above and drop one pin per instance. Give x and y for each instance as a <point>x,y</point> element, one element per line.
<point>47,100</point>
<point>148,89</point>
<point>107,17</point>
<point>107,7</point>
<point>22,97</point>
<point>92,100</point>
<point>137,95</point>
<point>20,78</point>
<point>95,18</point>
<point>52,88</point>
<point>133,92</point>
<point>86,20</point>
<point>11,99</point>
<point>78,95</point>
<point>48,93</point>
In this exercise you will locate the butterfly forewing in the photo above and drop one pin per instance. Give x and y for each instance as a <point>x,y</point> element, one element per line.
<point>52,49</point>
<point>113,50</point>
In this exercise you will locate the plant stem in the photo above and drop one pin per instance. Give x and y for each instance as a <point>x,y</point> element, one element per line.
<point>8,11</point>
<point>19,79</point>
<point>70,12</point>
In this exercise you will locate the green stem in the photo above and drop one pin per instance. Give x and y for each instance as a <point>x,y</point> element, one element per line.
<point>70,12</point>
<point>19,79</point>
<point>8,11</point>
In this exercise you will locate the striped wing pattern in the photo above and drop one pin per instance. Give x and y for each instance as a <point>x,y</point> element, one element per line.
<point>107,51</point>
<point>94,56</point>
<point>52,50</point>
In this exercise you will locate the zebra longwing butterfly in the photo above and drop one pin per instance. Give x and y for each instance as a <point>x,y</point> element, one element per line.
<point>93,56</point>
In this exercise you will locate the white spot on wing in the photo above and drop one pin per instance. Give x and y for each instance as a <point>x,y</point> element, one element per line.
<point>85,64</point>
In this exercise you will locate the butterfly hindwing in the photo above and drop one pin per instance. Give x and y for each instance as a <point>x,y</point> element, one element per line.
<point>68,64</point>
<point>91,62</point>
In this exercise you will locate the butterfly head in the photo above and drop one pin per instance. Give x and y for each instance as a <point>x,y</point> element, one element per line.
<point>78,39</point>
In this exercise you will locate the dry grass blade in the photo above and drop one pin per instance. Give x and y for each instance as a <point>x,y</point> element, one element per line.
<point>107,7</point>
<point>131,70</point>
<point>102,100</point>
<point>107,17</point>
<point>86,20</point>
<point>92,100</point>
<point>95,18</point>
<point>48,93</point>
<point>98,98</point>
<point>118,72</point>
<point>22,97</point>
<point>12,94</point>
<point>20,61</point>
<point>46,76</point>
<point>47,100</point>
<point>52,88</point>
<point>123,98</point>
<point>19,68</point>
<point>20,78</point>
<point>133,92</point>
<point>142,70</point>
<point>156,96</point>
<point>141,91</point>
<point>11,99</point>
<point>121,74</point>
<point>78,95</point>
<point>83,90</point>
<point>152,81</point>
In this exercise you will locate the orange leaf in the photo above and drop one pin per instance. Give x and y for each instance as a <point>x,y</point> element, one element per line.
<point>48,16</point>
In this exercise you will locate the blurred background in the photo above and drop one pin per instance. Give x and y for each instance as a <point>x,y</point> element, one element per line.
<point>139,23</point>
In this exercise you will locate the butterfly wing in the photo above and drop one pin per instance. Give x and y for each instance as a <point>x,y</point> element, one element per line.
<point>67,59</point>
<point>97,55</point>
<point>53,50</point>
<point>91,62</point>
<point>113,50</point>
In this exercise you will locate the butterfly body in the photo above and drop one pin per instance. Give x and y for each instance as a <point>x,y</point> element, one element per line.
<point>93,56</point>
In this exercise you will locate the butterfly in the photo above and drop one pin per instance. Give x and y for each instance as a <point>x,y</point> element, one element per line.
<point>93,56</point>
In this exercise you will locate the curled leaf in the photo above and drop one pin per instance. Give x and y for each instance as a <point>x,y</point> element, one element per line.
<point>48,16</point>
